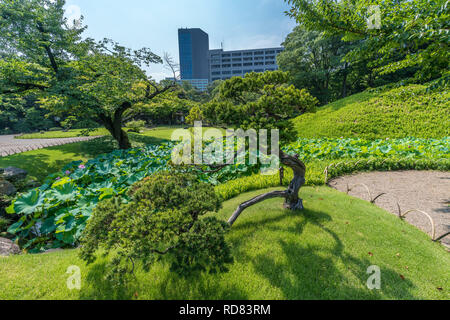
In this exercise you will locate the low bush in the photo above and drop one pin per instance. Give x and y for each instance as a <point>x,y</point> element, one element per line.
<point>135,126</point>
<point>163,217</point>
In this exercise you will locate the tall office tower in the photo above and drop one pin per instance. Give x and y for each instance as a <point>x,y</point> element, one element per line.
<point>194,57</point>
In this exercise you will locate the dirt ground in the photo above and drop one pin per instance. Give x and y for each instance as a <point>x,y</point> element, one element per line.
<point>428,191</point>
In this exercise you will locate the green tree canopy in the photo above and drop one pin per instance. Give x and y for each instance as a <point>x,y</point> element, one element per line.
<point>258,101</point>
<point>70,75</point>
<point>412,33</point>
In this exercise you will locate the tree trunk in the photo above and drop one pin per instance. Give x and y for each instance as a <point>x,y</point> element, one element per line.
<point>114,126</point>
<point>292,200</point>
<point>344,81</point>
<point>122,138</point>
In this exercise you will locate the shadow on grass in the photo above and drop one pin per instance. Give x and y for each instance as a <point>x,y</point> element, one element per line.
<point>139,139</point>
<point>163,285</point>
<point>315,272</point>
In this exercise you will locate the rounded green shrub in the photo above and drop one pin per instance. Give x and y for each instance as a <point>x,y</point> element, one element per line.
<point>161,218</point>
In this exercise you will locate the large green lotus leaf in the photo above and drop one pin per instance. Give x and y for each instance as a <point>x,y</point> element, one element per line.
<point>48,226</point>
<point>29,202</point>
<point>16,226</point>
<point>65,192</point>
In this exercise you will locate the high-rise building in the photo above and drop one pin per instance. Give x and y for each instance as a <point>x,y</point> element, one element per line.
<point>194,54</point>
<point>200,66</point>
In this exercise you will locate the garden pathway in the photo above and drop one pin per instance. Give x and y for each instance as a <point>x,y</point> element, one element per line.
<point>428,191</point>
<point>9,145</point>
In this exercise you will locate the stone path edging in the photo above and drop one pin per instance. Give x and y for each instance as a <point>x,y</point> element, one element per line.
<point>9,145</point>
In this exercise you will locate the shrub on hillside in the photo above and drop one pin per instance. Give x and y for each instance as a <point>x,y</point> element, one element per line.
<point>163,217</point>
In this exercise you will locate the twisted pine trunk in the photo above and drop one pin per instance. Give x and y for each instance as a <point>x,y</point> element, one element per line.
<point>292,200</point>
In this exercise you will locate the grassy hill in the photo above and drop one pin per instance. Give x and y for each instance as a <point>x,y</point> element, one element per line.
<point>381,113</point>
<point>320,253</point>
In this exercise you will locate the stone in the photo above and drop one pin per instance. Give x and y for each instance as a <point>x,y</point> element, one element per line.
<point>7,188</point>
<point>14,174</point>
<point>7,247</point>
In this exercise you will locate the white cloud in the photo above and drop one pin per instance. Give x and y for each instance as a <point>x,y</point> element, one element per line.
<point>73,14</point>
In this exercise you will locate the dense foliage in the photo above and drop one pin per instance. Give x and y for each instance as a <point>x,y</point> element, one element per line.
<point>328,148</point>
<point>43,56</point>
<point>412,34</point>
<point>162,217</point>
<point>396,112</point>
<point>258,101</point>
<point>56,214</point>
<point>23,115</point>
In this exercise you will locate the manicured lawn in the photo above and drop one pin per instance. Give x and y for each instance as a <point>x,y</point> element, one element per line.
<point>322,252</point>
<point>42,162</point>
<point>61,134</point>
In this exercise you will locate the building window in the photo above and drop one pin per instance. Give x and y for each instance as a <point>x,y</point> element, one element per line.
<point>237,71</point>
<point>248,53</point>
<point>237,54</point>
<point>225,55</point>
<point>248,59</point>
<point>248,64</point>
<point>259,58</point>
<point>270,62</point>
<point>270,57</point>
<point>237,59</point>
<point>226,60</point>
<point>259,70</point>
<point>259,63</point>
<point>237,65</point>
<point>215,66</point>
<point>226,66</point>
<point>214,79</point>
<point>259,52</point>
<point>226,72</point>
<point>216,73</point>
<point>270,52</point>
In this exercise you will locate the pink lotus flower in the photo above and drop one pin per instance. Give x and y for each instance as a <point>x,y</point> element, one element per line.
<point>58,178</point>
<point>67,172</point>
<point>82,166</point>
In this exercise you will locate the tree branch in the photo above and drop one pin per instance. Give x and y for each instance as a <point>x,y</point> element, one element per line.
<point>292,200</point>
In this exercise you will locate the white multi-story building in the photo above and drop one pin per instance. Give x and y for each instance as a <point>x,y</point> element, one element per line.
<point>226,64</point>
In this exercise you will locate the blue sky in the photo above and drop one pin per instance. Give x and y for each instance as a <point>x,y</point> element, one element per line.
<point>239,24</point>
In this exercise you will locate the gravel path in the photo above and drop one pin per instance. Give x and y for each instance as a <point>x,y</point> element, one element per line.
<point>428,191</point>
<point>10,146</point>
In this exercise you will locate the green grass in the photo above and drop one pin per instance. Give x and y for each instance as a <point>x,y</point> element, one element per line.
<point>319,253</point>
<point>389,113</point>
<point>43,162</point>
<point>61,134</point>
